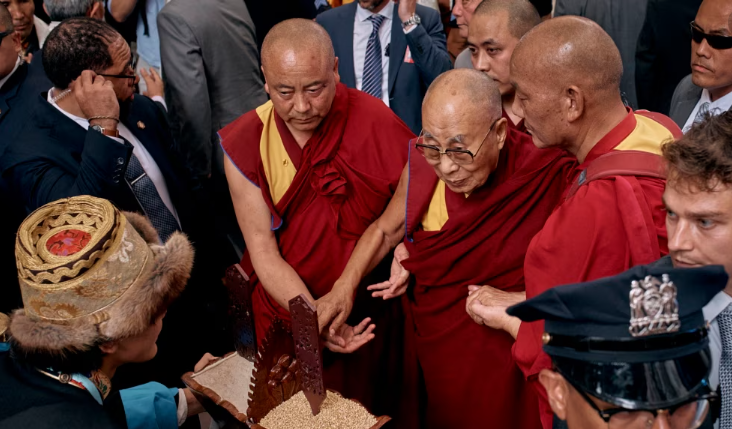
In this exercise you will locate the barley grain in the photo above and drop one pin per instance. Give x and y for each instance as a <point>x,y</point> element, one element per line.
<point>336,412</point>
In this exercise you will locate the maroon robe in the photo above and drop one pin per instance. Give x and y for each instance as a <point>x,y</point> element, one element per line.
<point>470,376</point>
<point>346,174</point>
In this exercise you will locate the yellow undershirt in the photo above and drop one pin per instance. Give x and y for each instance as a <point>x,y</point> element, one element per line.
<point>278,166</point>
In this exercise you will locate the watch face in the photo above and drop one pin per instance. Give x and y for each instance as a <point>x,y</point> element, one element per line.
<point>97,128</point>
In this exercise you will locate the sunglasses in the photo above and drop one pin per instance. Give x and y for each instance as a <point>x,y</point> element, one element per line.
<point>715,41</point>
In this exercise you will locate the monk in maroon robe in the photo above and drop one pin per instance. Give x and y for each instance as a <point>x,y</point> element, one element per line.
<point>567,73</point>
<point>493,33</point>
<point>308,172</point>
<point>471,198</point>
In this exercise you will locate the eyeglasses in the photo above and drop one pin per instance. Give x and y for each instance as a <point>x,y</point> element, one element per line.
<point>689,415</point>
<point>459,156</point>
<point>130,66</point>
<point>715,41</point>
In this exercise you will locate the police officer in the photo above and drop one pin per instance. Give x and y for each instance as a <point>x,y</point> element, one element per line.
<point>629,351</point>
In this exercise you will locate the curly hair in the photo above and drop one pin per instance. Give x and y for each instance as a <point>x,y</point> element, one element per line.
<point>702,158</point>
<point>77,44</point>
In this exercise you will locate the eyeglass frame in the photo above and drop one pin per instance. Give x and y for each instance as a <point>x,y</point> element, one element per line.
<point>446,151</point>
<point>712,39</point>
<point>607,415</point>
<point>133,76</point>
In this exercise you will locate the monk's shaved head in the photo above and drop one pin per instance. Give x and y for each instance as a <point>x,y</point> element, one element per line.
<point>297,35</point>
<point>468,88</point>
<point>570,50</point>
<point>522,15</point>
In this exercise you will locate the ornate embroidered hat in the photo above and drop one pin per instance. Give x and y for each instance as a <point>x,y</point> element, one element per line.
<point>89,272</point>
<point>637,340</point>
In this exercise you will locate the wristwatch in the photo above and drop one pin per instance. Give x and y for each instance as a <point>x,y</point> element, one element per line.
<point>413,20</point>
<point>107,132</point>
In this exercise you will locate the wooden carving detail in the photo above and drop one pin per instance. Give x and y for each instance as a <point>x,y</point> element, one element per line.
<point>241,317</point>
<point>276,372</point>
<point>307,348</point>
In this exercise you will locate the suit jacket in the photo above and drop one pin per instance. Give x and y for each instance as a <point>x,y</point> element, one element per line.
<point>408,82</point>
<point>684,100</point>
<point>56,158</point>
<point>622,20</point>
<point>211,73</point>
<point>663,55</point>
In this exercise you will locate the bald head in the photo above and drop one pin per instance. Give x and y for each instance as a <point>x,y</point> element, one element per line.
<point>570,50</point>
<point>6,20</point>
<point>467,88</point>
<point>522,15</point>
<point>300,36</point>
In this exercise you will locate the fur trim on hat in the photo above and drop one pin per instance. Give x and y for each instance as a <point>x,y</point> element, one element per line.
<point>130,315</point>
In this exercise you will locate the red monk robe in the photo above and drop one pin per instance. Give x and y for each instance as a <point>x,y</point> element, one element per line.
<point>608,226</point>
<point>322,197</point>
<point>470,376</point>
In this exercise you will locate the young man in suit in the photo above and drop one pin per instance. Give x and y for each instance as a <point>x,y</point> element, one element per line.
<point>92,136</point>
<point>709,86</point>
<point>391,51</point>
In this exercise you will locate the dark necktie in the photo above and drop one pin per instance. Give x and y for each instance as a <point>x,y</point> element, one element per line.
<point>149,198</point>
<point>724,320</point>
<point>372,71</point>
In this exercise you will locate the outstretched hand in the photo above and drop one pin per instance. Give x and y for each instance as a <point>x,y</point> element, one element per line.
<point>348,339</point>
<point>399,279</point>
<point>487,306</point>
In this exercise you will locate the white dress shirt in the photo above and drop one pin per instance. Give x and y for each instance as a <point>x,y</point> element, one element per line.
<point>722,104</point>
<point>361,31</point>
<point>146,160</point>
<point>711,311</point>
<point>18,62</point>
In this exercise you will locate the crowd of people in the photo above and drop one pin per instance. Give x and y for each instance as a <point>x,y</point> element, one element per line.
<point>507,213</point>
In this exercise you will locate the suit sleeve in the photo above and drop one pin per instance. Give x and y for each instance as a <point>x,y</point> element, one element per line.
<point>40,180</point>
<point>569,7</point>
<point>645,60</point>
<point>186,93</point>
<point>428,46</point>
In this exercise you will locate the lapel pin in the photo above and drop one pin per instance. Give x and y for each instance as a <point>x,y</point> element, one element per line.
<point>140,125</point>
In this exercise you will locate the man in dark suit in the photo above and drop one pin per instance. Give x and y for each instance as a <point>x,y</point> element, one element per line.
<point>662,56</point>
<point>211,72</point>
<point>91,136</point>
<point>709,87</point>
<point>391,51</point>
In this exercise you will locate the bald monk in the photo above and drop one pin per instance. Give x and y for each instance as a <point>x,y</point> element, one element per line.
<point>308,173</point>
<point>474,192</point>
<point>567,72</point>
<point>493,33</point>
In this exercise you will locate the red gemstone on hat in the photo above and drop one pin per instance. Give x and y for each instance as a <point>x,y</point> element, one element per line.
<point>67,242</point>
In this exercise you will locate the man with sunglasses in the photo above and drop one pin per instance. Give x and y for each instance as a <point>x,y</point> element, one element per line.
<point>709,87</point>
<point>629,351</point>
<point>90,135</point>
<point>472,195</point>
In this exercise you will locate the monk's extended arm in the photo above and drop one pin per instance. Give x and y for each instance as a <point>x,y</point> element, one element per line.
<point>378,239</point>
<point>278,278</point>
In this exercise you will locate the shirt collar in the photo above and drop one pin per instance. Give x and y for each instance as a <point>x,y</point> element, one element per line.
<point>716,306</point>
<point>363,14</point>
<point>723,103</point>
<point>18,62</point>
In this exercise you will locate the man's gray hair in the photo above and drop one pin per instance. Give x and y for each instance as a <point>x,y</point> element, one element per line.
<point>59,10</point>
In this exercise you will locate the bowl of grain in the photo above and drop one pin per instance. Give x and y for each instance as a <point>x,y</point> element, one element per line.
<point>336,412</point>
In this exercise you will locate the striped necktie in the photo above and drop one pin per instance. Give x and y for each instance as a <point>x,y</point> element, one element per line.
<point>372,71</point>
<point>725,367</point>
<point>149,198</point>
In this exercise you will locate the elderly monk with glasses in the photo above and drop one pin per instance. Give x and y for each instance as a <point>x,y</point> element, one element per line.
<point>470,199</point>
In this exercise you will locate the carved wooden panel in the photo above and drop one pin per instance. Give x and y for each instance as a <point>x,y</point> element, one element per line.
<point>307,348</point>
<point>241,316</point>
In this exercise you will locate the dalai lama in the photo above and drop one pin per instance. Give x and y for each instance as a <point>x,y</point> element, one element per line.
<point>474,192</point>
<point>567,72</point>
<point>308,173</point>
